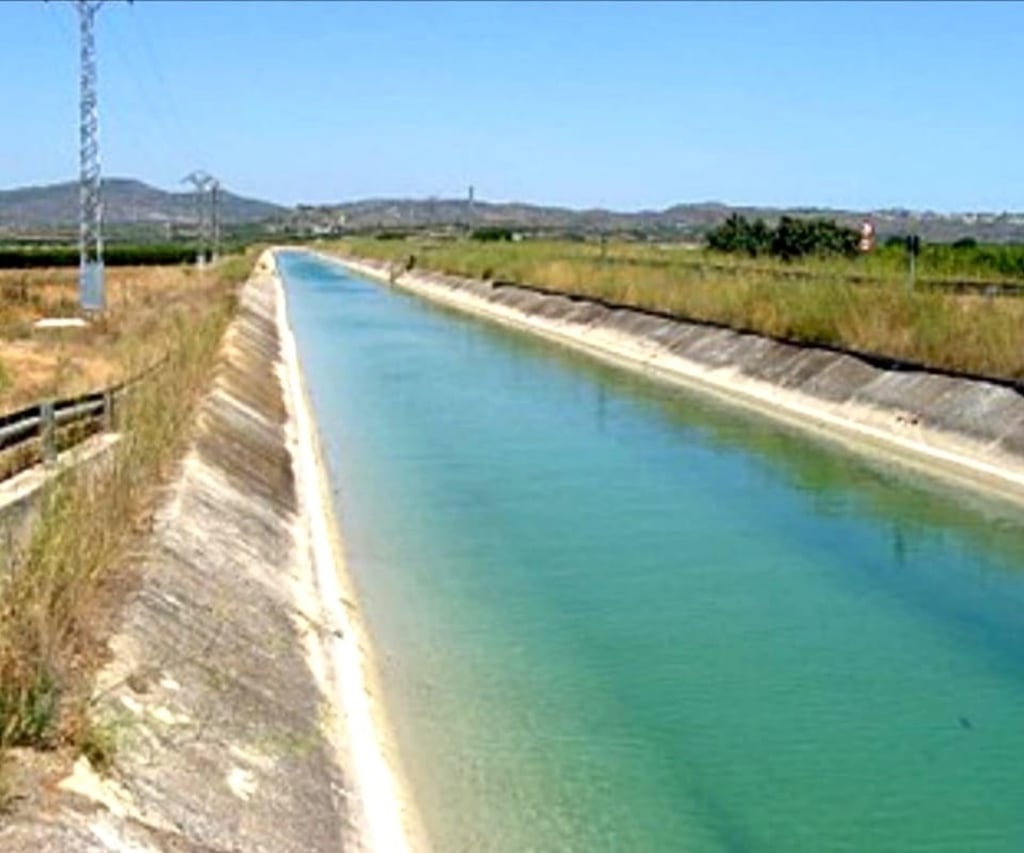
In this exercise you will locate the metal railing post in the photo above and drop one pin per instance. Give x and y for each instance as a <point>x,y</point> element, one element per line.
<point>48,431</point>
<point>108,410</point>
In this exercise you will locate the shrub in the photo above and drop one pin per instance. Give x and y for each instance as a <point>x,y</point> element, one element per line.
<point>792,238</point>
<point>736,234</point>
<point>492,234</point>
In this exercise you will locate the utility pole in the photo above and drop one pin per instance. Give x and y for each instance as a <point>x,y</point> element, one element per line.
<point>91,290</point>
<point>913,250</point>
<point>215,215</point>
<point>469,207</point>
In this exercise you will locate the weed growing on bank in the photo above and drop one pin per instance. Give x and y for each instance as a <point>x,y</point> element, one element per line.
<point>57,594</point>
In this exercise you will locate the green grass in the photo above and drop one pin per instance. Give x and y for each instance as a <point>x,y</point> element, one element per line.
<point>862,304</point>
<point>98,742</point>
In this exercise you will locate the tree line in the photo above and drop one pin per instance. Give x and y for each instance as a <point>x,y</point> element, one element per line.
<point>27,257</point>
<point>790,238</point>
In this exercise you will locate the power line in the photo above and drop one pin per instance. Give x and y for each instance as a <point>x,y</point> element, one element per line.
<point>143,102</point>
<point>69,34</point>
<point>167,92</point>
<point>147,101</point>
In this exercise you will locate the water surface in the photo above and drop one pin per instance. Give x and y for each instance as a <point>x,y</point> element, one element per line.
<point>612,614</point>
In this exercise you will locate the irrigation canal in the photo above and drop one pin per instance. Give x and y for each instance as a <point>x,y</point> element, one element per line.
<point>612,614</point>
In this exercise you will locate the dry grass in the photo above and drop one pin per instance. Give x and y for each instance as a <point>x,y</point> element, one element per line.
<point>56,596</point>
<point>978,335</point>
<point>143,303</point>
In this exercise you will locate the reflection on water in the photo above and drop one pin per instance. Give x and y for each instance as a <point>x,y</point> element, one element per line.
<point>614,615</point>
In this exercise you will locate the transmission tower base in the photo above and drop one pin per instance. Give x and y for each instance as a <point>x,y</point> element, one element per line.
<point>91,290</point>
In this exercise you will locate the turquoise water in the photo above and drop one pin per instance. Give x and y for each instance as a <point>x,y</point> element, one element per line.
<point>615,615</point>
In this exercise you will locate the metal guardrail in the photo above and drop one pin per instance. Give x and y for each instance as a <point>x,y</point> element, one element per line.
<point>43,420</point>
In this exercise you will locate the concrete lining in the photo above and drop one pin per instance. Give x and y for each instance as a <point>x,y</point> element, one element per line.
<point>235,683</point>
<point>20,495</point>
<point>966,429</point>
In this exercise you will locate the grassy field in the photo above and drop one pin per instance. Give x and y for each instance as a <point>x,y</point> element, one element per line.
<point>146,307</point>
<point>58,593</point>
<point>862,304</point>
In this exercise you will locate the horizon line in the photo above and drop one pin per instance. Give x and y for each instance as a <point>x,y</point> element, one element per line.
<point>638,211</point>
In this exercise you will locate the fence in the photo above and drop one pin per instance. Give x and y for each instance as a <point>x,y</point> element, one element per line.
<point>43,421</point>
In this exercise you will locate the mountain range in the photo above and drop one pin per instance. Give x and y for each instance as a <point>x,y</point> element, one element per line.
<point>130,202</point>
<point>681,220</point>
<point>125,202</point>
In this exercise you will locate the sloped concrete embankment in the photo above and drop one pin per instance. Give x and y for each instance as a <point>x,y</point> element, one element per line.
<point>231,687</point>
<point>962,428</point>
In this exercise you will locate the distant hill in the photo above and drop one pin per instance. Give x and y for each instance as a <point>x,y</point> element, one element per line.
<point>133,203</point>
<point>125,202</point>
<point>680,220</point>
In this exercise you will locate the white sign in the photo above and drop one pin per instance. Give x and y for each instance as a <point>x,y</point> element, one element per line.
<point>867,236</point>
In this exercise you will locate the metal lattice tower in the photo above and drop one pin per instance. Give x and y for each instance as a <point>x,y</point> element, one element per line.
<point>206,189</point>
<point>90,229</point>
<point>198,179</point>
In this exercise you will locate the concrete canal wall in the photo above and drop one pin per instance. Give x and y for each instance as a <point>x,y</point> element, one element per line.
<point>22,494</point>
<point>962,428</point>
<point>239,678</point>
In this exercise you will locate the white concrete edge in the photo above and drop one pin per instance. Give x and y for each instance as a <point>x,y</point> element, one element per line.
<point>25,483</point>
<point>858,426</point>
<point>383,823</point>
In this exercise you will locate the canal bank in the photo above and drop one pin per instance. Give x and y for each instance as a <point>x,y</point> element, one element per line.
<point>966,430</point>
<point>236,709</point>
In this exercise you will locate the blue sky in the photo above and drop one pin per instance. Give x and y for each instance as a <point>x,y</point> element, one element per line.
<point>624,105</point>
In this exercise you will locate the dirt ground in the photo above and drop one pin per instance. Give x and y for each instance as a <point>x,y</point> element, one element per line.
<point>144,306</point>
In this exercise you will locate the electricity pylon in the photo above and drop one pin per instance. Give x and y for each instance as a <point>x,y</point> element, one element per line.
<point>91,291</point>
<point>207,226</point>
